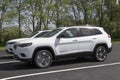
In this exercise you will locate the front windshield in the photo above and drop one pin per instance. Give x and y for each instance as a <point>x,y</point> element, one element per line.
<point>52,33</point>
<point>32,34</point>
<point>41,34</point>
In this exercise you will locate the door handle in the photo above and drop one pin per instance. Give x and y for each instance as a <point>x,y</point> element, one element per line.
<point>94,38</point>
<point>75,40</point>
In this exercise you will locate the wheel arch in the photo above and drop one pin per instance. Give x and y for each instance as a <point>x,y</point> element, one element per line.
<point>101,44</point>
<point>49,48</point>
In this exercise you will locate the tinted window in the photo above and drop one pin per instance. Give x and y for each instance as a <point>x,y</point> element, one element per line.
<point>97,31</point>
<point>69,33</point>
<point>32,34</point>
<point>89,32</point>
<point>52,33</point>
<point>41,34</point>
<point>85,32</point>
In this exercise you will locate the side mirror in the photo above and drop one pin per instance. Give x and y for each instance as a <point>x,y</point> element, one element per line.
<point>60,36</point>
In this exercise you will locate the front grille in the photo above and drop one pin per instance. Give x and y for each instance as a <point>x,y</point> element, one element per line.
<point>10,43</point>
<point>15,46</point>
<point>16,57</point>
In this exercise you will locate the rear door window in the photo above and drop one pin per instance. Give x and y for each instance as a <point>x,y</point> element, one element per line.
<point>85,32</point>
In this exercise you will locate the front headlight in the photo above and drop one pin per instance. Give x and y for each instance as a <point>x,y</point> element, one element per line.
<point>10,43</point>
<point>24,44</point>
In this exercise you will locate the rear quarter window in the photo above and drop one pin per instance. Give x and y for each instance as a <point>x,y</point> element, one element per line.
<point>89,32</point>
<point>86,32</point>
<point>96,31</point>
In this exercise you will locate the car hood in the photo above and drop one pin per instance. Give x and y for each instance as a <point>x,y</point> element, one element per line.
<point>36,40</point>
<point>17,40</point>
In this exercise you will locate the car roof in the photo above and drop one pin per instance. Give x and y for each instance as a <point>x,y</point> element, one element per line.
<point>90,27</point>
<point>44,31</point>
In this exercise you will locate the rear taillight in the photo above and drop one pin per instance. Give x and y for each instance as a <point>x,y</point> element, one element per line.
<point>109,36</point>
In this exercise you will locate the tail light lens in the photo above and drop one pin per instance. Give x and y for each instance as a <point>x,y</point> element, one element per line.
<point>109,36</point>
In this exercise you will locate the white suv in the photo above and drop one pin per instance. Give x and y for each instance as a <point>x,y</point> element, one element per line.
<point>10,43</point>
<point>75,41</point>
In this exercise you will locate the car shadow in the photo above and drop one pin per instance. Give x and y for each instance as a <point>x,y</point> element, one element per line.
<point>25,66</point>
<point>72,61</point>
<point>16,66</point>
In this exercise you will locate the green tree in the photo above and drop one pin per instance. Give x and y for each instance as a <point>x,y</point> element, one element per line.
<point>11,33</point>
<point>3,10</point>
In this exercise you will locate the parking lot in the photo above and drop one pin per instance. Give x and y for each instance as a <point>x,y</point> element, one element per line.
<point>73,69</point>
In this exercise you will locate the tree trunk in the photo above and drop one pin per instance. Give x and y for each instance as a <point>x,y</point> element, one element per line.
<point>57,14</point>
<point>19,21</point>
<point>33,23</point>
<point>19,18</point>
<point>40,24</point>
<point>0,32</point>
<point>85,17</point>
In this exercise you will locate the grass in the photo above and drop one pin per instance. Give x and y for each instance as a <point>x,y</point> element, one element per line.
<point>2,48</point>
<point>116,42</point>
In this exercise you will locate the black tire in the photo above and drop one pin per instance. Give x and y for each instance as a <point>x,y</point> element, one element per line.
<point>100,53</point>
<point>43,59</point>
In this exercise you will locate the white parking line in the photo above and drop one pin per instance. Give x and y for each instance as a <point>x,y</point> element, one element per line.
<point>6,56</point>
<point>8,62</point>
<point>64,70</point>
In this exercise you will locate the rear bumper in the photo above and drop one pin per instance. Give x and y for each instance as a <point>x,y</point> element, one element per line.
<point>109,49</point>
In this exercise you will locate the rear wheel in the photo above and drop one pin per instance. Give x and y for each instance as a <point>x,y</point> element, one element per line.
<point>100,53</point>
<point>43,59</point>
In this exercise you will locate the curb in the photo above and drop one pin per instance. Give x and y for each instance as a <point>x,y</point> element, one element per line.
<point>6,57</point>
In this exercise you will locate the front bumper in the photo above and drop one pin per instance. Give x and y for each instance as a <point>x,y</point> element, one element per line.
<point>24,60</point>
<point>9,49</point>
<point>24,53</point>
<point>9,52</point>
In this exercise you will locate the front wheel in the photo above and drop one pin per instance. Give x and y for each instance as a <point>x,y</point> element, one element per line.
<point>100,54</point>
<point>43,59</point>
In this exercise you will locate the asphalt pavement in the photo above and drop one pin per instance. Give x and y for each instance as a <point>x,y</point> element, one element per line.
<point>73,69</point>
